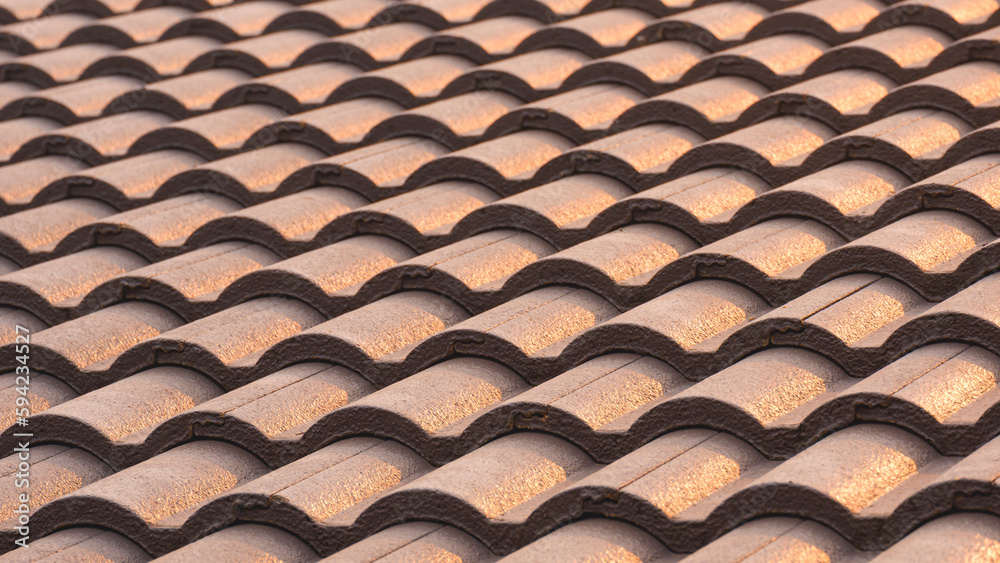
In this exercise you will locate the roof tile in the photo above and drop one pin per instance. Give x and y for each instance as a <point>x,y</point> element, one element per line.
<point>81,543</point>
<point>418,540</point>
<point>246,542</point>
<point>49,288</point>
<point>716,26</point>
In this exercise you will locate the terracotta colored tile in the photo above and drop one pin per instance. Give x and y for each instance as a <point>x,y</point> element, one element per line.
<point>63,282</point>
<point>58,469</point>
<point>475,279</point>
<point>955,17</point>
<point>81,543</point>
<point>607,392</point>
<point>500,164</point>
<point>330,16</point>
<point>650,69</point>
<point>417,540</point>
<point>779,537</point>
<point>637,156</point>
<point>693,315</point>
<point>97,141</point>
<point>773,149</point>
<point>40,230</point>
<point>552,208</point>
<point>696,202</point>
<point>276,405</point>
<point>140,402</point>
<point>716,25</point>
<point>331,129</point>
<point>848,92</point>
<point>212,135</point>
<point>949,538</point>
<point>619,265</point>
<point>769,386</point>
<point>901,53</point>
<point>848,459</point>
<point>44,392</point>
<point>481,41</point>
<point>848,196</point>
<point>457,121</point>
<point>775,61</point>
<point>762,255</point>
<point>910,137</point>
<point>390,327</point>
<point>508,476</point>
<point>131,180</point>
<point>708,462</point>
<point>183,95</point>
<point>49,68</point>
<point>580,114</point>
<point>932,241</point>
<point>44,33</point>
<point>596,34</point>
<point>246,542</point>
<point>528,76</point>
<point>170,222</point>
<point>160,491</point>
<point>409,83</point>
<point>367,48</point>
<point>237,336</point>
<point>262,54</point>
<point>383,167</point>
<point>11,91</point>
<point>281,221</point>
<point>293,90</point>
<point>186,282</point>
<point>969,90</point>
<point>542,10</point>
<point>950,382</point>
<point>832,20</point>
<point>537,325</point>
<point>444,399</point>
<point>440,13</point>
<point>18,317</point>
<point>95,341</point>
<point>709,107</point>
<point>319,277</point>
<point>72,102</point>
<point>331,484</point>
<point>230,23</point>
<point>18,132</point>
<point>971,183</point>
<point>241,175</point>
<point>151,62</point>
<point>594,538</point>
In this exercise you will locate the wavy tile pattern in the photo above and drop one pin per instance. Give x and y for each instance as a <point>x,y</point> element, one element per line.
<point>488,280</point>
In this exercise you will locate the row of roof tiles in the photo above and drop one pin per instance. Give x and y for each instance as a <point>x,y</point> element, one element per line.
<point>934,253</point>
<point>779,400</point>
<point>842,100</point>
<point>941,391</point>
<point>440,76</point>
<point>397,335</point>
<point>902,53</point>
<point>918,143</point>
<point>872,484</point>
<point>955,537</point>
<point>717,23</point>
<point>359,13</point>
<point>853,199</point>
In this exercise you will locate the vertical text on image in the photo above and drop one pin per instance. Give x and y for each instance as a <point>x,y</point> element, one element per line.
<point>22,410</point>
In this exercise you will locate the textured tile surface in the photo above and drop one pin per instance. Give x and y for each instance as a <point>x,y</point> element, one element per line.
<point>481,280</point>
